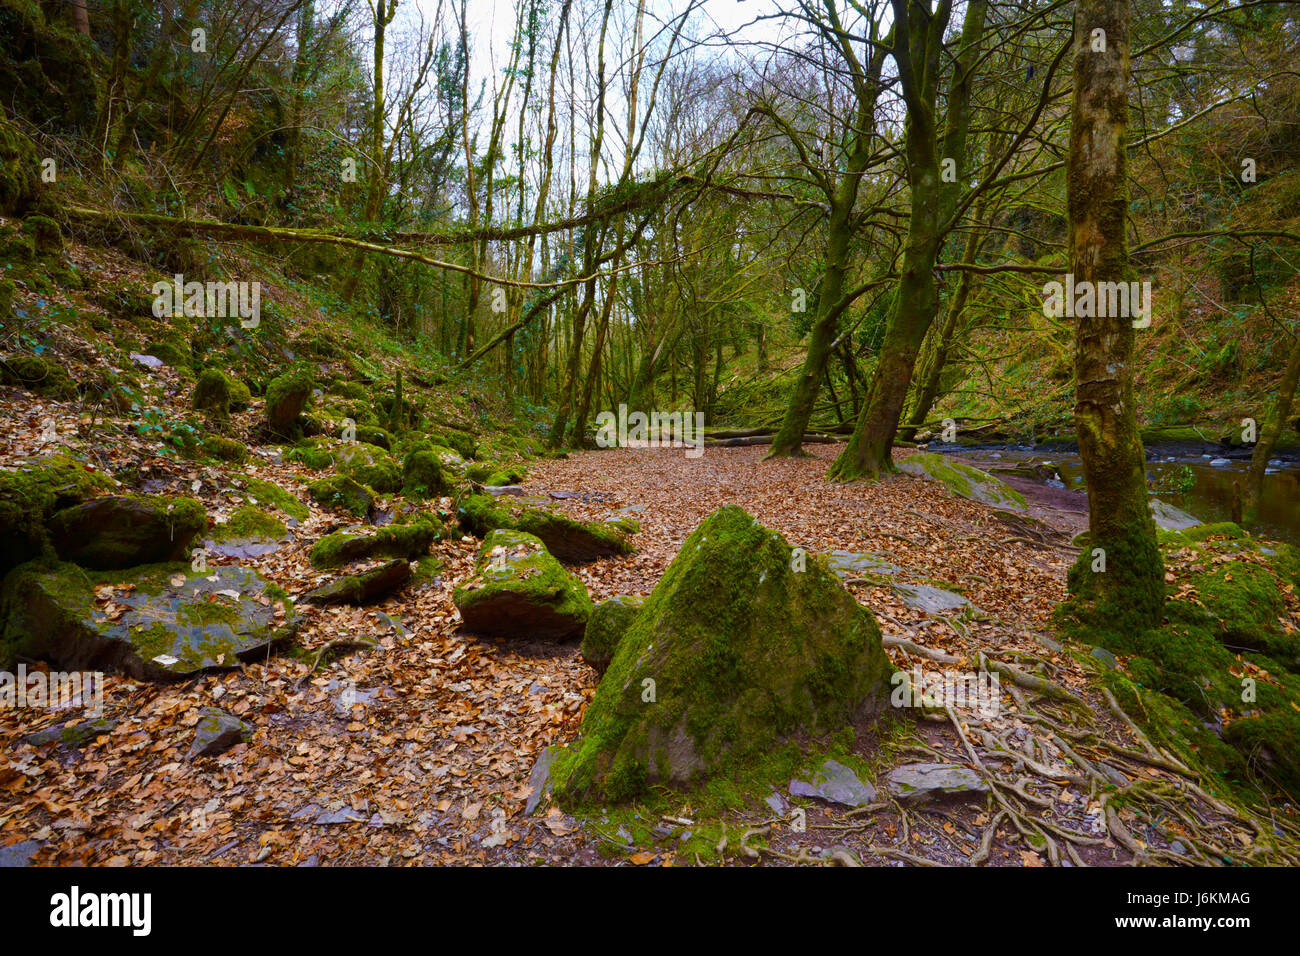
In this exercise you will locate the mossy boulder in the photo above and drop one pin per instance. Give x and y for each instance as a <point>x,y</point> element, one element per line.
<point>369,465</point>
<point>38,374</point>
<point>519,590</point>
<point>573,541</point>
<point>733,653</point>
<point>286,397</point>
<point>340,491</point>
<point>480,514</point>
<point>463,442</point>
<point>362,587</point>
<point>424,475</point>
<point>34,491</point>
<point>120,531</point>
<point>174,352</point>
<point>47,238</point>
<point>249,524</point>
<point>219,393</point>
<point>408,541</point>
<point>609,621</point>
<point>963,480</point>
<point>260,492</point>
<point>155,622</point>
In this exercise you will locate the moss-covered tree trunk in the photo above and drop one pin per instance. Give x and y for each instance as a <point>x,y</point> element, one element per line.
<point>1124,586</point>
<point>1272,430</point>
<point>918,47</point>
<point>835,262</point>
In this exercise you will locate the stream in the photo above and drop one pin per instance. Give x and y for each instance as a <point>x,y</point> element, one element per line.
<point>1196,479</point>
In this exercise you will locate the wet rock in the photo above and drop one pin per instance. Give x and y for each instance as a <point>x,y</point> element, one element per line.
<point>856,564</point>
<point>520,590</point>
<point>172,623</point>
<point>835,783</point>
<point>963,480</point>
<point>918,783</point>
<point>364,587</point>
<point>19,854</point>
<point>122,531</point>
<point>1169,518</point>
<point>929,599</point>
<point>218,731</point>
<point>539,779</point>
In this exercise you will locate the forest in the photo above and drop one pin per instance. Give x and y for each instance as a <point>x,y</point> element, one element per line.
<point>649,433</point>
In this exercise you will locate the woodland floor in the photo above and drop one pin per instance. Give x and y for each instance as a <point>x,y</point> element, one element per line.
<point>431,766</point>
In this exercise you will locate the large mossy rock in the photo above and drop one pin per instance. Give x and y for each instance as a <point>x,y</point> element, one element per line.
<point>18,170</point>
<point>370,465</point>
<point>340,491</point>
<point>963,480</point>
<point>734,652</point>
<point>610,620</point>
<point>1219,680</point>
<point>157,622</point>
<point>219,393</point>
<point>286,397</point>
<point>520,590</point>
<point>362,587</point>
<point>121,531</point>
<point>44,376</point>
<point>33,491</point>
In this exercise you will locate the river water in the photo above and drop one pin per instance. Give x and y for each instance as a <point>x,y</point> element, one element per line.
<point>1197,480</point>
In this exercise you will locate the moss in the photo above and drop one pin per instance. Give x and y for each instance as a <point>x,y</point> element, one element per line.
<point>408,541</point>
<point>286,397</point>
<point>744,653</point>
<point>371,435</point>
<point>609,621</point>
<point>18,168</point>
<point>31,494</point>
<point>316,453</point>
<point>268,493</point>
<point>250,522</point>
<point>480,514</point>
<point>480,470</point>
<point>223,449</point>
<point>462,442</point>
<point>423,475</point>
<point>215,391</point>
<point>364,463</point>
<point>340,491</point>
<point>963,480</point>
<point>1185,680</point>
<point>46,235</point>
<point>175,353</point>
<point>571,540</point>
<point>41,375</point>
<point>516,567</point>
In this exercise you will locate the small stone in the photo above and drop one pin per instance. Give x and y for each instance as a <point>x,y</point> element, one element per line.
<point>218,731</point>
<point>1107,659</point>
<point>835,783</point>
<point>18,854</point>
<point>920,782</point>
<point>539,779</point>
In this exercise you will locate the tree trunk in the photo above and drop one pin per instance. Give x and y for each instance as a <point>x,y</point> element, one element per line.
<point>1118,580</point>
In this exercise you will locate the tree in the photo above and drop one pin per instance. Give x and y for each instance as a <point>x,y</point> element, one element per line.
<point>1118,580</point>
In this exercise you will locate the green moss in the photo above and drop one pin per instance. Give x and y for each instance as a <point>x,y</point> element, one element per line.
<point>963,480</point>
<point>369,465</point>
<point>316,453</point>
<point>217,392</point>
<point>223,449</point>
<point>744,652</point>
<point>286,397</point>
<point>408,541</point>
<point>250,522</point>
<point>46,235</point>
<point>269,493</point>
<point>173,352</point>
<point>41,375</point>
<point>31,494</point>
<point>609,621</point>
<point>517,564</point>
<point>340,491</point>
<point>423,475</point>
<point>479,514</point>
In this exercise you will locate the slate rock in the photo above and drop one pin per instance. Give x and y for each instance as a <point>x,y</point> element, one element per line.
<point>218,731</point>
<point>917,783</point>
<point>364,587</point>
<point>963,480</point>
<point>835,783</point>
<point>174,622</point>
<point>122,531</point>
<point>929,599</point>
<point>1169,518</point>
<point>18,854</point>
<point>72,735</point>
<point>539,779</point>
